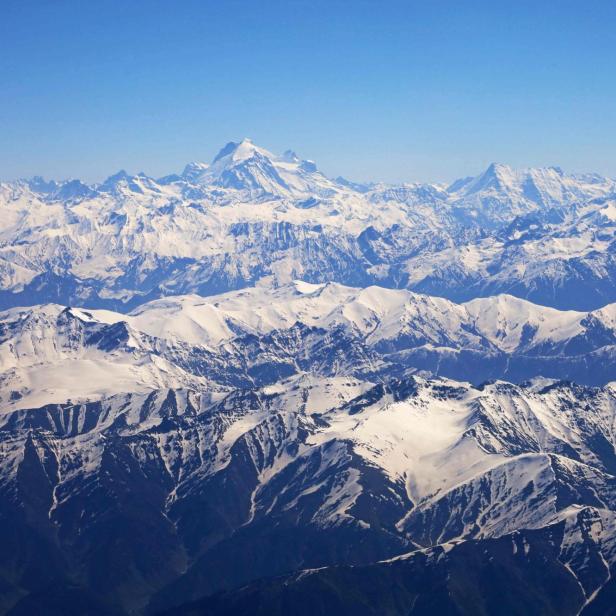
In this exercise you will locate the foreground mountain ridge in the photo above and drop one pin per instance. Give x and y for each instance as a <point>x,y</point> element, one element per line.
<point>323,470</point>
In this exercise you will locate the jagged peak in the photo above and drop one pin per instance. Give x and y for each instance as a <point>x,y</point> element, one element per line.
<point>116,177</point>
<point>40,185</point>
<point>496,175</point>
<point>238,151</point>
<point>194,169</point>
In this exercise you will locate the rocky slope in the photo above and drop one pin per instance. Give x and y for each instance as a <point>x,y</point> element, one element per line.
<point>149,500</point>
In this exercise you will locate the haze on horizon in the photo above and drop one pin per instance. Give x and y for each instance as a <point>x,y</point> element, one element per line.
<point>399,91</point>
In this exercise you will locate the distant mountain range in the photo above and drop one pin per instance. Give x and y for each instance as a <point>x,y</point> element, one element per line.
<point>250,389</point>
<point>251,216</point>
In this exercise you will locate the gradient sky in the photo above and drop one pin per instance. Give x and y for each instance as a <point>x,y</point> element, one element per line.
<point>391,91</point>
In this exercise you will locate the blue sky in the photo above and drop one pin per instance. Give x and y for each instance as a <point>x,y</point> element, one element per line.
<point>371,90</point>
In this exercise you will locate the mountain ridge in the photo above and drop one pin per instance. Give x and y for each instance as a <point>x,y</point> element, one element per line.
<point>537,234</point>
<point>247,386</point>
<point>298,465</point>
<point>256,336</point>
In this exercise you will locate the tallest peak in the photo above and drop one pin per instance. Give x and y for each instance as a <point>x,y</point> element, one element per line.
<point>239,149</point>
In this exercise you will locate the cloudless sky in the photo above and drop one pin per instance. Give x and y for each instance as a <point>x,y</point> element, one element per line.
<point>381,90</point>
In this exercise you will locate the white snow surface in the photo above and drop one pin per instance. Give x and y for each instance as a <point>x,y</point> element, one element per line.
<point>43,354</point>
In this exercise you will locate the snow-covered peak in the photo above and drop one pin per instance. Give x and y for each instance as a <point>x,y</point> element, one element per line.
<point>192,171</point>
<point>232,154</point>
<point>235,152</point>
<point>52,353</point>
<point>133,238</point>
<point>380,315</point>
<point>247,167</point>
<point>501,177</point>
<point>509,321</point>
<point>114,179</point>
<point>351,331</point>
<point>501,191</point>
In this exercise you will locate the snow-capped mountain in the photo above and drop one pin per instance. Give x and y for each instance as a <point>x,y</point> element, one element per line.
<point>250,216</point>
<point>309,472</point>
<point>52,354</point>
<point>248,168</point>
<point>501,193</point>
<point>247,388</point>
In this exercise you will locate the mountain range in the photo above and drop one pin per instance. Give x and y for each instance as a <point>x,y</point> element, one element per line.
<point>249,388</point>
<point>256,336</point>
<point>148,501</point>
<point>251,216</point>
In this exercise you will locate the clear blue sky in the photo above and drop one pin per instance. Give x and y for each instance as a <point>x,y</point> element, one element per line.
<point>371,90</point>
